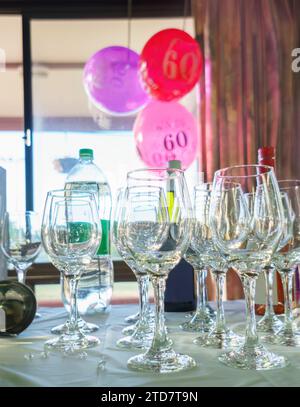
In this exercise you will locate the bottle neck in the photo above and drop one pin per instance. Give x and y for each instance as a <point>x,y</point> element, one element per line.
<point>86,160</point>
<point>267,156</point>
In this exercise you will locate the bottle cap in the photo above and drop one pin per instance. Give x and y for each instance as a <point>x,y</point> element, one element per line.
<point>267,151</point>
<point>86,153</point>
<point>176,164</point>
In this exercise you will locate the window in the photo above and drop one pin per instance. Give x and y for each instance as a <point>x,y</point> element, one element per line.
<point>57,109</point>
<point>12,157</point>
<point>63,117</point>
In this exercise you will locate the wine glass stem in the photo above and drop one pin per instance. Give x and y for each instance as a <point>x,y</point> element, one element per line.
<point>143,284</point>
<point>160,340</point>
<point>73,284</point>
<point>201,289</point>
<point>269,275</point>
<point>21,275</point>
<point>220,317</point>
<point>251,338</point>
<point>287,279</point>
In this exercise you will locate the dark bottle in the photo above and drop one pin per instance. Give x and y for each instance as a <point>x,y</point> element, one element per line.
<point>180,289</point>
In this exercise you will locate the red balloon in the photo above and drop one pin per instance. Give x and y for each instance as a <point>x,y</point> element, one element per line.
<point>170,64</point>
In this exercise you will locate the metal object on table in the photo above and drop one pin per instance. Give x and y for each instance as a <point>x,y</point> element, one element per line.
<point>17,307</point>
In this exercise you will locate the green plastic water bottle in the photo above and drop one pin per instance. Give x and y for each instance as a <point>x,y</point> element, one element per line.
<point>95,286</point>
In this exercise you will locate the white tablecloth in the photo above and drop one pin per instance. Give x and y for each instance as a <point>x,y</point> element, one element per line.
<point>24,364</point>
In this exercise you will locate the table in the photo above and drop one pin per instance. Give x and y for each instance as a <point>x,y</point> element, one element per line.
<point>23,362</point>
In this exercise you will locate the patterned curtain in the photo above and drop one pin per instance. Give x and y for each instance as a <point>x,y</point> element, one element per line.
<point>249,95</point>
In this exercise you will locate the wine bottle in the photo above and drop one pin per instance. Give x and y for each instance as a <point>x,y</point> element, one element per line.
<point>180,290</point>
<point>267,156</point>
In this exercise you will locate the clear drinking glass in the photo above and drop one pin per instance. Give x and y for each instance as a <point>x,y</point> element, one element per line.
<point>142,333</point>
<point>219,335</point>
<point>248,242</point>
<point>287,258</point>
<point>269,323</point>
<point>158,234</point>
<point>21,240</point>
<point>202,320</point>
<point>71,234</point>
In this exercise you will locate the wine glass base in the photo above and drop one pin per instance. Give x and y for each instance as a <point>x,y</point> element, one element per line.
<point>129,330</point>
<point>85,327</point>
<point>131,319</point>
<point>219,340</point>
<point>270,324</point>
<point>256,358</point>
<point>137,341</point>
<point>168,362</point>
<point>200,322</point>
<point>72,343</point>
<point>208,310</point>
<point>287,338</point>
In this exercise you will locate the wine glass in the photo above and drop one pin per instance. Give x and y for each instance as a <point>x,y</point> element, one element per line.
<point>71,234</point>
<point>269,323</point>
<point>219,335</point>
<point>248,243</point>
<point>143,330</point>
<point>287,258</point>
<point>21,240</point>
<point>158,234</point>
<point>202,320</point>
<point>84,326</point>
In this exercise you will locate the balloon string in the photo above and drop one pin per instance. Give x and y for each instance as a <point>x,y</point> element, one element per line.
<point>129,15</point>
<point>185,11</point>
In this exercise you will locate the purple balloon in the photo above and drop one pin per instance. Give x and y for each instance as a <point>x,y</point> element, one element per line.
<point>111,80</point>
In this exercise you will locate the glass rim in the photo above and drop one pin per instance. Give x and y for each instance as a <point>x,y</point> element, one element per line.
<point>59,192</point>
<point>268,167</point>
<point>292,182</point>
<point>176,171</point>
<point>204,186</point>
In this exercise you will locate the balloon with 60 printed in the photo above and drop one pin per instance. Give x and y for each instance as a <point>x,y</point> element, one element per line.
<point>163,132</point>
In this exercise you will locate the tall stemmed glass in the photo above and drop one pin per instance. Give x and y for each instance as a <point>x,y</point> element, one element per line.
<point>142,335</point>
<point>269,323</point>
<point>71,234</point>
<point>248,242</point>
<point>21,240</point>
<point>219,336</point>
<point>158,234</point>
<point>202,320</point>
<point>287,259</point>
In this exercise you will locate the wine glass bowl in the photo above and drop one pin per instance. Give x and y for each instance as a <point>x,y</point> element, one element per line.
<point>219,336</point>
<point>158,238</point>
<point>21,240</point>
<point>71,234</point>
<point>248,243</point>
<point>269,324</point>
<point>287,257</point>
<point>140,334</point>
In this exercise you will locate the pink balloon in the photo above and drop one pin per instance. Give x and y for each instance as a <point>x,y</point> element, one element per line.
<point>165,131</point>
